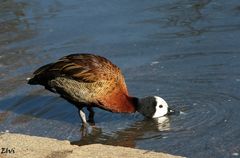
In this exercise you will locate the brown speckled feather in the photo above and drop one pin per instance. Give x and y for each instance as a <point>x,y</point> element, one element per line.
<point>88,79</point>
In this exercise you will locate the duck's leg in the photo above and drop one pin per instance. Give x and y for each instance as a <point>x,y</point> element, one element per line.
<point>86,128</point>
<point>91,115</point>
<point>83,117</point>
<point>80,111</point>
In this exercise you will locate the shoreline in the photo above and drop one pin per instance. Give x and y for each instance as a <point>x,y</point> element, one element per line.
<point>14,145</point>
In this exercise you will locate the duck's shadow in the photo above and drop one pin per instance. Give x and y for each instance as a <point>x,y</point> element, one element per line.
<point>127,137</point>
<point>52,116</point>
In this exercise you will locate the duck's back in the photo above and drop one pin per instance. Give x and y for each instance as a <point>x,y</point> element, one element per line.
<point>86,78</point>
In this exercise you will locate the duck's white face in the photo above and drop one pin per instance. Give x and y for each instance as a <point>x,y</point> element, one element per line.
<point>153,107</point>
<point>161,107</point>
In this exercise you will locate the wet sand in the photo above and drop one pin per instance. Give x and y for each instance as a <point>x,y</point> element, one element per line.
<point>24,146</point>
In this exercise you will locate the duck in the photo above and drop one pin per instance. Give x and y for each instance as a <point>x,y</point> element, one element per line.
<point>89,81</point>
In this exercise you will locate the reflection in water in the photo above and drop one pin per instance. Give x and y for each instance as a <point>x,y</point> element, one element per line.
<point>163,123</point>
<point>140,130</point>
<point>22,119</point>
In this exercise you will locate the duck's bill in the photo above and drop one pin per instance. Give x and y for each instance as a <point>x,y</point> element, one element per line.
<point>171,111</point>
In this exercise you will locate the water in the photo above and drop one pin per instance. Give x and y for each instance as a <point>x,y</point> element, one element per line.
<point>185,51</point>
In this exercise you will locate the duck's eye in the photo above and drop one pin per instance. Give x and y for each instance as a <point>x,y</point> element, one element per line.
<point>160,106</point>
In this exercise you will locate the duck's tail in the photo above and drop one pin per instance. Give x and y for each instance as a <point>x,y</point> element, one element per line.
<point>39,76</point>
<point>32,81</point>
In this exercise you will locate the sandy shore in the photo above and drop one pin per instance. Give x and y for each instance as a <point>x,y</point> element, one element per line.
<point>24,146</point>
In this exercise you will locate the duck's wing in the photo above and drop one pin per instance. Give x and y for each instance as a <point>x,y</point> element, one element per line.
<point>81,67</point>
<point>88,67</point>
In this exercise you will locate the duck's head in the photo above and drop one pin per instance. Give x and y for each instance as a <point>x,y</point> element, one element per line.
<point>153,107</point>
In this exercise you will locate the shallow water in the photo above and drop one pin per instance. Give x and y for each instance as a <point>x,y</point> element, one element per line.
<point>185,51</point>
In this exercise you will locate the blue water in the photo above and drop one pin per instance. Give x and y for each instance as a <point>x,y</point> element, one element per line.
<point>186,51</point>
